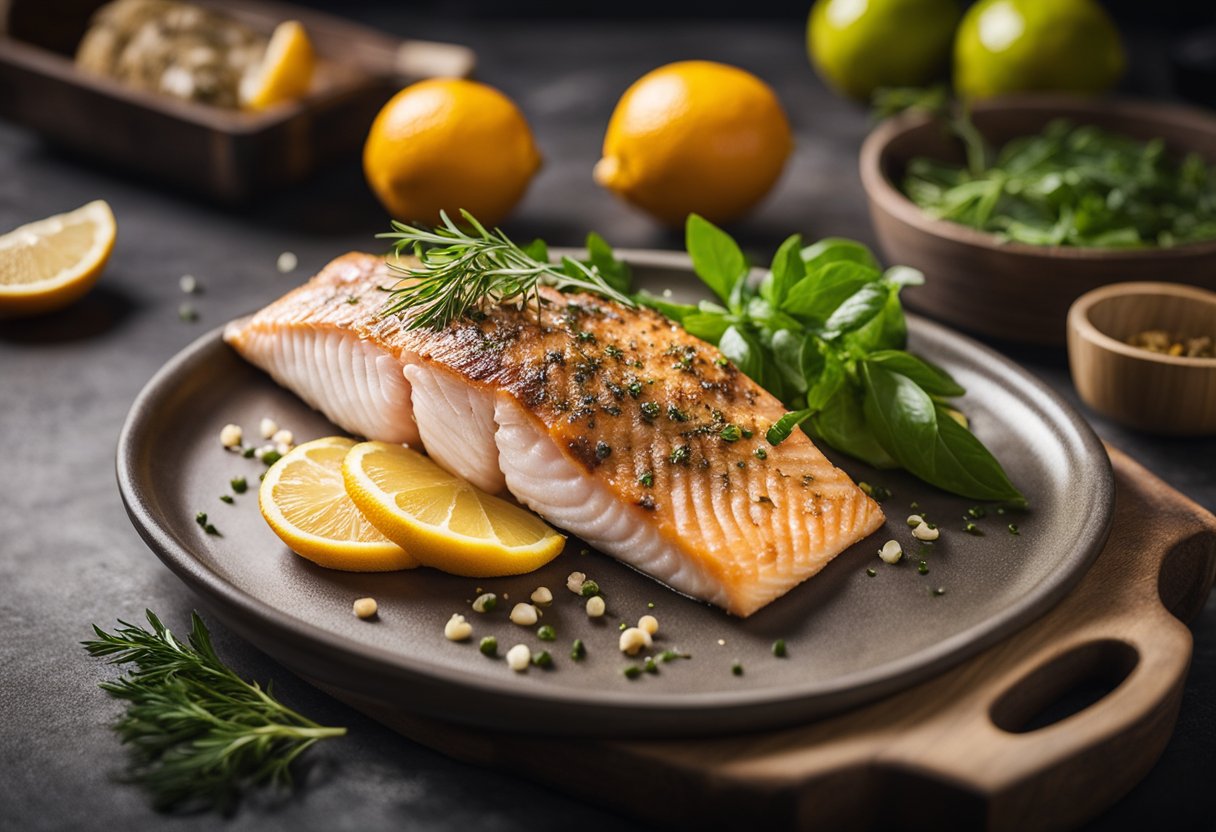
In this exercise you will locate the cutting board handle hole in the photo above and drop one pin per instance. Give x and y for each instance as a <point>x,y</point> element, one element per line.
<point>1064,686</point>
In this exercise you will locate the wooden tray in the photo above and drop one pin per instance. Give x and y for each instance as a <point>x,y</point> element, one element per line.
<point>964,750</point>
<point>228,155</point>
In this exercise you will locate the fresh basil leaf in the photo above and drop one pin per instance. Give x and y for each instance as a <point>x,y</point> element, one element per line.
<point>537,250</point>
<point>829,382</point>
<point>708,326</point>
<point>787,355</point>
<point>862,306</point>
<point>904,420</point>
<point>787,270</point>
<point>842,425</point>
<point>932,379</point>
<point>811,359</point>
<point>709,307</point>
<point>716,258</point>
<point>616,273</point>
<point>836,250</point>
<point>904,276</point>
<point>783,427</point>
<point>676,311</point>
<point>885,331</point>
<point>816,296</point>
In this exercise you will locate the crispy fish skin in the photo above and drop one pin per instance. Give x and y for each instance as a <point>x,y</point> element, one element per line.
<point>597,404</point>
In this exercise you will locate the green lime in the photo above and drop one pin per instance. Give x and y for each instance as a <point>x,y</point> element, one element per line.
<point>1007,46</point>
<point>858,46</point>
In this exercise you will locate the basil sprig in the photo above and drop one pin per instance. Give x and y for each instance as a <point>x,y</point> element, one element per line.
<point>824,331</point>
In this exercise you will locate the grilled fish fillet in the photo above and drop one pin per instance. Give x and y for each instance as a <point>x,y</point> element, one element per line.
<point>607,421</point>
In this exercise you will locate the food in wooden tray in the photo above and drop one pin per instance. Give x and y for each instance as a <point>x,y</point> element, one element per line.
<point>1167,343</point>
<point>196,54</point>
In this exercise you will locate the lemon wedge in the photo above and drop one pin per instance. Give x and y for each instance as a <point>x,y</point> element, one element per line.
<point>286,69</point>
<point>47,264</point>
<point>304,500</point>
<point>442,520</point>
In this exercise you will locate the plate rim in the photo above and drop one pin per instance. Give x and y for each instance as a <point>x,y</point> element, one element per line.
<point>777,705</point>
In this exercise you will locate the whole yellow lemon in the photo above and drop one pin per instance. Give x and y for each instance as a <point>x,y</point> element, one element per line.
<point>857,46</point>
<point>447,144</point>
<point>695,136</point>
<point>1007,46</point>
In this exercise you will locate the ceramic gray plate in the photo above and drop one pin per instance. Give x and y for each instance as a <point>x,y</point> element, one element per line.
<point>850,637</point>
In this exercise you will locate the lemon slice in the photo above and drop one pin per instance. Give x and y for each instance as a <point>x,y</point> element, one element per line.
<point>286,69</point>
<point>47,264</point>
<point>304,501</point>
<point>444,521</point>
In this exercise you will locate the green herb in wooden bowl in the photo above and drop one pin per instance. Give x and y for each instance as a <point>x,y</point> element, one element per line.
<point>1071,185</point>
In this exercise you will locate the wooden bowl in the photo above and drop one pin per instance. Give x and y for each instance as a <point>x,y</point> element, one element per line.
<point>227,155</point>
<point>1014,291</point>
<point>1138,388</point>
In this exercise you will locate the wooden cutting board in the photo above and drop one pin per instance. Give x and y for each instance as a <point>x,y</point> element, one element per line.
<point>968,749</point>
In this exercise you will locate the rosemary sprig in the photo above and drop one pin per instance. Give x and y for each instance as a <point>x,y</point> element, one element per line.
<point>461,271</point>
<point>199,734</point>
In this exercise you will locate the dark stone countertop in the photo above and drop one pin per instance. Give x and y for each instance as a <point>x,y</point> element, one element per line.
<point>69,557</point>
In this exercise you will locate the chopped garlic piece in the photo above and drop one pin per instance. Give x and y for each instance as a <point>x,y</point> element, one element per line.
<point>596,606</point>
<point>525,615</point>
<point>633,640</point>
<point>365,607</point>
<point>542,596</point>
<point>283,437</point>
<point>891,552</point>
<point>648,624</point>
<point>915,520</point>
<point>574,582</point>
<point>457,628</point>
<point>268,427</point>
<point>231,436</point>
<point>925,533</point>
<point>519,657</point>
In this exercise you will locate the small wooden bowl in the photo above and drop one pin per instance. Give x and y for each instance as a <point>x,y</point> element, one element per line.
<point>1014,291</point>
<point>1135,387</point>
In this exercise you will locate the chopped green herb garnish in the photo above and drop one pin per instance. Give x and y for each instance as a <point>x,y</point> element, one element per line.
<point>736,669</point>
<point>239,485</point>
<point>671,655</point>
<point>779,648</point>
<point>577,651</point>
<point>680,455</point>
<point>731,433</point>
<point>1013,529</point>
<point>876,492</point>
<point>488,646</point>
<point>632,671</point>
<point>486,602</point>
<point>650,605</point>
<point>760,453</point>
<point>227,498</point>
<point>650,410</point>
<point>621,626</point>
<point>352,300</point>
<point>635,389</point>
<point>721,361</point>
<point>248,453</point>
<point>589,588</point>
<point>650,666</point>
<point>602,450</point>
<point>271,457</point>
<point>972,529</point>
<point>201,519</point>
<point>871,572</point>
<point>976,512</point>
<point>546,633</point>
<point>541,658</point>
<point>675,414</point>
<point>187,313</point>
<point>647,479</point>
<point>923,567</point>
